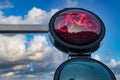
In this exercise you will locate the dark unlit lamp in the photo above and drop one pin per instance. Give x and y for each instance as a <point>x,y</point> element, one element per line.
<point>83,69</point>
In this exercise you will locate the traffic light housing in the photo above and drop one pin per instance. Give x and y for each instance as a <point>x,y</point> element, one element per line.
<point>76,31</point>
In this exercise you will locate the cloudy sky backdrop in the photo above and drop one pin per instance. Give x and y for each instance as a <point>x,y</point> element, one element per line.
<point>32,56</point>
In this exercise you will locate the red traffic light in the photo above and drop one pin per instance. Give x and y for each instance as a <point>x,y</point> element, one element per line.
<point>76,28</point>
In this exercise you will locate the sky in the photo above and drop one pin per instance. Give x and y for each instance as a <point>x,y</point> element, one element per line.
<point>33,55</point>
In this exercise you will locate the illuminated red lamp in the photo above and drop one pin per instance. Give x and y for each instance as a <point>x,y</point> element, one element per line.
<point>76,29</point>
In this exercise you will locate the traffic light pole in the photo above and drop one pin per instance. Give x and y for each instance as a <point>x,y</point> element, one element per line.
<point>23,28</point>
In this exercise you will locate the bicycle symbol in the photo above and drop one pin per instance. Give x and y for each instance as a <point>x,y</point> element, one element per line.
<point>80,20</point>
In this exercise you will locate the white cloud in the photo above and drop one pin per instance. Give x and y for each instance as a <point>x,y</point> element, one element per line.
<point>38,16</point>
<point>7,75</point>
<point>15,56</point>
<point>113,63</point>
<point>15,53</point>
<point>6,4</point>
<point>71,3</point>
<point>18,67</point>
<point>97,57</point>
<point>118,77</point>
<point>58,57</point>
<point>115,66</point>
<point>31,76</point>
<point>38,49</point>
<point>34,16</point>
<point>12,48</point>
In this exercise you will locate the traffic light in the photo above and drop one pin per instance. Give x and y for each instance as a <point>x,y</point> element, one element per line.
<point>83,69</point>
<point>78,32</point>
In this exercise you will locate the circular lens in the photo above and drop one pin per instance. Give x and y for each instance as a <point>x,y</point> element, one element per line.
<point>77,26</point>
<point>83,69</point>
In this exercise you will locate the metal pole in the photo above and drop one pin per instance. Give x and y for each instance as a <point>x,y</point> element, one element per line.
<point>23,28</point>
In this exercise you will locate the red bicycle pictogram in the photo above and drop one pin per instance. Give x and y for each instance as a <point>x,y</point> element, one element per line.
<point>78,19</point>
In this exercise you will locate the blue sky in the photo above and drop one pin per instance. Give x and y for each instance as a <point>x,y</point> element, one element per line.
<point>21,11</point>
